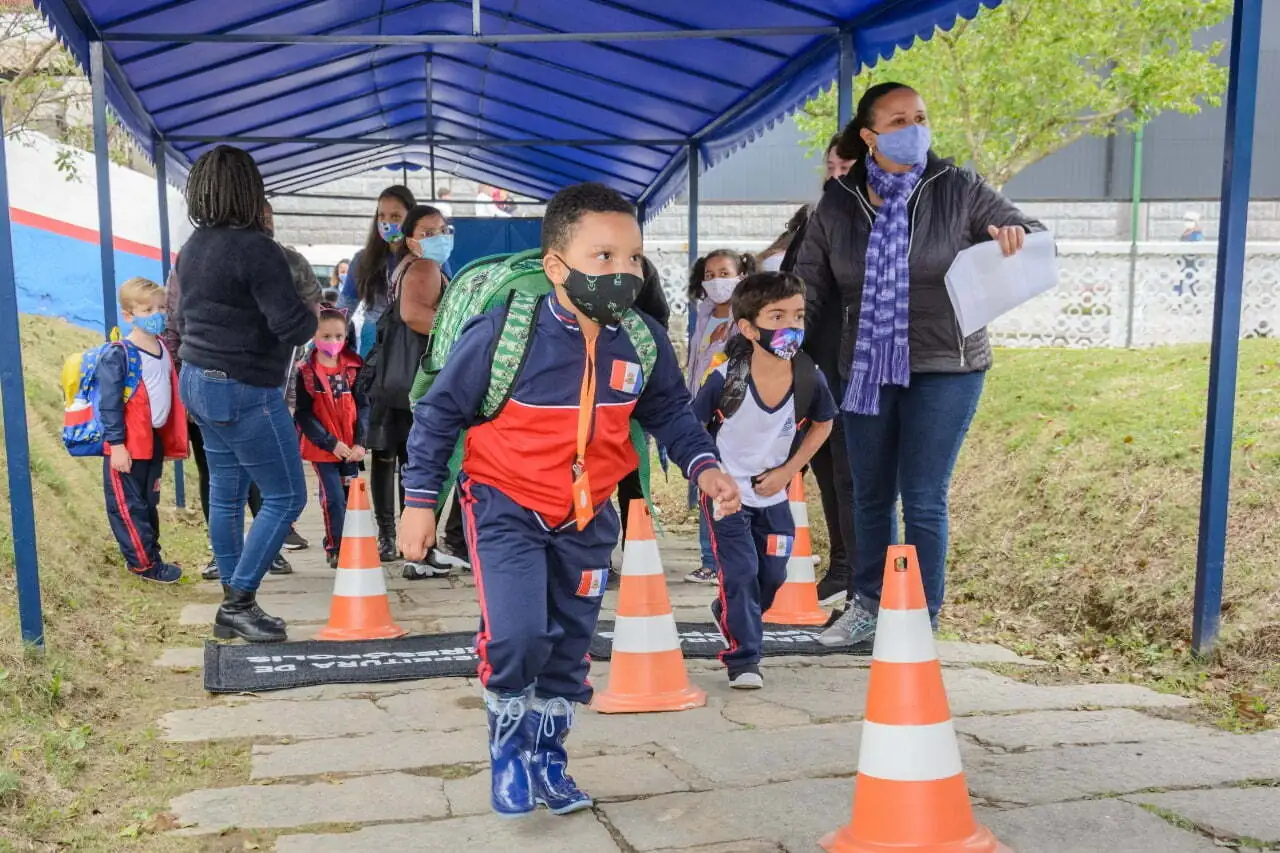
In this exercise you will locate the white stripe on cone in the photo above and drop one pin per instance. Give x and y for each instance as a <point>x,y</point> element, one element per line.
<point>904,636</point>
<point>359,522</point>
<point>800,513</point>
<point>645,634</point>
<point>800,570</point>
<point>909,753</point>
<point>358,583</point>
<point>640,557</point>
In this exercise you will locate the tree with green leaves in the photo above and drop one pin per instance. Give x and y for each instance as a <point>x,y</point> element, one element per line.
<point>1030,77</point>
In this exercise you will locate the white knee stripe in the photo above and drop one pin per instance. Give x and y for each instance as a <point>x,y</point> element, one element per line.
<point>358,522</point>
<point>909,753</point>
<point>800,570</point>
<point>904,636</point>
<point>641,557</point>
<point>645,634</point>
<point>358,583</point>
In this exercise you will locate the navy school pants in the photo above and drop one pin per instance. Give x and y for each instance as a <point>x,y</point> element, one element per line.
<point>751,549</point>
<point>133,502</point>
<point>540,592</point>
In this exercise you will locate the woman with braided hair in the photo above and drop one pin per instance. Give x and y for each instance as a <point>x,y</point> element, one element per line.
<point>240,317</point>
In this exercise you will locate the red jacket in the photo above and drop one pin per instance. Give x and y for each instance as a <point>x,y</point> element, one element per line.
<point>135,420</point>
<point>327,408</point>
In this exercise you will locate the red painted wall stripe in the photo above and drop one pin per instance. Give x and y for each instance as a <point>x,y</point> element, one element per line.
<point>76,232</point>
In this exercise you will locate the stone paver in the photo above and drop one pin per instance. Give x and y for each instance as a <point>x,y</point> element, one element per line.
<point>752,846</point>
<point>441,710</point>
<point>762,714</point>
<point>180,659</point>
<point>1226,812</point>
<point>391,751</point>
<point>581,833</point>
<point>1097,826</point>
<point>611,732</point>
<point>1075,772</point>
<point>1044,729</point>
<point>756,756</point>
<point>612,777</point>
<point>955,652</point>
<point>363,799</point>
<point>976,691</point>
<point>328,718</point>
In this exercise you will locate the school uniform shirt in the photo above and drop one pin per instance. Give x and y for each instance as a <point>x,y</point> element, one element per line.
<point>757,438</point>
<point>156,370</point>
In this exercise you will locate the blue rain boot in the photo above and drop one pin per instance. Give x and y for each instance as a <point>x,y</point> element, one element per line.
<point>511,792</point>
<point>545,729</point>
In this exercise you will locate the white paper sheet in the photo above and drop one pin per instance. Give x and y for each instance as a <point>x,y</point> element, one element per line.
<point>983,283</point>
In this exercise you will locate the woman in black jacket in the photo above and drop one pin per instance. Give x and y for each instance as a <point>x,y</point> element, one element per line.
<point>877,250</point>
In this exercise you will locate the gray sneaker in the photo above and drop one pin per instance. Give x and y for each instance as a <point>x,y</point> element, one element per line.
<point>857,625</point>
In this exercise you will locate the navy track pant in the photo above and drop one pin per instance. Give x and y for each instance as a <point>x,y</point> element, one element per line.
<point>540,592</point>
<point>133,502</point>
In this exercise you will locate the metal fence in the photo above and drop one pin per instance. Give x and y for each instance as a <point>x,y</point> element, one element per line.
<point>1170,300</point>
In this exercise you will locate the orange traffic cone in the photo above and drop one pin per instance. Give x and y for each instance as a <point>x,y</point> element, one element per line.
<point>797,601</point>
<point>359,609</point>
<point>910,794</point>
<point>647,668</point>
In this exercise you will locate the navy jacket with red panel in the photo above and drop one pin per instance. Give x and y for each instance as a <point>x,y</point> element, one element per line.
<point>527,451</point>
<point>129,423</point>
<point>327,408</point>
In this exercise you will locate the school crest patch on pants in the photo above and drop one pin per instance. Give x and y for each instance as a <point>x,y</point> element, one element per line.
<point>593,583</point>
<point>779,546</point>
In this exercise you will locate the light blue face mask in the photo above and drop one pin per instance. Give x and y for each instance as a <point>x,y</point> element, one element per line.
<point>152,324</point>
<point>437,248</point>
<point>906,147</point>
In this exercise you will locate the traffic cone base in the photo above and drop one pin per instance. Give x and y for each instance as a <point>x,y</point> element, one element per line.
<point>359,609</point>
<point>646,669</point>
<point>797,600</point>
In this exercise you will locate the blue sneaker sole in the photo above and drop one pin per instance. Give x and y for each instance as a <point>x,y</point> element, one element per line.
<point>578,806</point>
<point>514,815</point>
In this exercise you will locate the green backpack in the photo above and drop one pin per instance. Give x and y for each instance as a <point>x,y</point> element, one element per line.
<point>518,282</point>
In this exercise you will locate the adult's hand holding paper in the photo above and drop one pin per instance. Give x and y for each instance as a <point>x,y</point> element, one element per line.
<point>983,283</point>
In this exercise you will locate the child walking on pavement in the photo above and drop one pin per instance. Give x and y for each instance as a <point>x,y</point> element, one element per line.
<point>332,419</point>
<point>537,480</point>
<point>143,423</point>
<point>753,403</point>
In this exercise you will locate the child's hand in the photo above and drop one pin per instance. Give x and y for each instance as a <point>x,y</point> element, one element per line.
<point>417,532</point>
<point>357,454</point>
<point>341,451</point>
<point>772,482</point>
<point>719,486</point>
<point>121,461</point>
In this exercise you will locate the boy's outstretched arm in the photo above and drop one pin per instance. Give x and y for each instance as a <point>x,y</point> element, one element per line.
<point>664,411</point>
<point>438,419</point>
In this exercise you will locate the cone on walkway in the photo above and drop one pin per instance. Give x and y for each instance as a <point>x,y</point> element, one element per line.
<point>910,794</point>
<point>646,671</point>
<point>359,609</point>
<point>797,600</point>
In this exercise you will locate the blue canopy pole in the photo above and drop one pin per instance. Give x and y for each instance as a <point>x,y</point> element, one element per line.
<point>162,203</point>
<point>102,161</point>
<point>694,162</point>
<point>17,450</point>
<point>1237,163</point>
<point>844,81</point>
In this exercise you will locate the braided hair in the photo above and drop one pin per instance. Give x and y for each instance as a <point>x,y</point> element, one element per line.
<point>225,190</point>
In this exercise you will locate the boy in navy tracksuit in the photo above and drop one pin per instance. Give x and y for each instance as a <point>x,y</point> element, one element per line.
<point>537,481</point>
<point>756,441</point>
<point>332,419</point>
<point>143,423</point>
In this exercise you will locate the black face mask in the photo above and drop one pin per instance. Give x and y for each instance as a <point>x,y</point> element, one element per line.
<point>602,298</point>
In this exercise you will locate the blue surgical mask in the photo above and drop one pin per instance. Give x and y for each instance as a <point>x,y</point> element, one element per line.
<point>437,248</point>
<point>152,324</point>
<point>390,231</point>
<point>906,147</point>
<point>784,342</point>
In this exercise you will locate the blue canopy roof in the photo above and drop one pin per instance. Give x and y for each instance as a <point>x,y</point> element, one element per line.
<point>531,95</point>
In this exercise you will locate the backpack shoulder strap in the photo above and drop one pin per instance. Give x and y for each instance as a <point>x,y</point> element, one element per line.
<point>512,348</point>
<point>737,375</point>
<point>804,378</point>
<point>642,339</point>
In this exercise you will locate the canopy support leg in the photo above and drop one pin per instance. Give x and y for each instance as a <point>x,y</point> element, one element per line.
<point>844,82</point>
<point>102,163</point>
<point>695,162</point>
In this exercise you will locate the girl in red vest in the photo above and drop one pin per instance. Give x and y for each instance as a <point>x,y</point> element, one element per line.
<point>332,420</point>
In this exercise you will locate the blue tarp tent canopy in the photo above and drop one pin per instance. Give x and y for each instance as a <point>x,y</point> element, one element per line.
<point>531,95</point>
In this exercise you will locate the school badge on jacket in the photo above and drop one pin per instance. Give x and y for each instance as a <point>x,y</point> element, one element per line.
<point>626,377</point>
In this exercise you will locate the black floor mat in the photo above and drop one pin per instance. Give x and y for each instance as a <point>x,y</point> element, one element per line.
<point>235,668</point>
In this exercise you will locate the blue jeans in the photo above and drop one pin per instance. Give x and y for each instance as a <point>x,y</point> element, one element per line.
<point>249,437</point>
<point>911,448</point>
<point>334,478</point>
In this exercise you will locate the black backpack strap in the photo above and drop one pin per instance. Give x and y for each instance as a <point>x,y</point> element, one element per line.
<point>737,375</point>
<point>804,384</point>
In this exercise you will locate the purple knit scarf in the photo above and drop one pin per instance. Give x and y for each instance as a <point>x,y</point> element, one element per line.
<point>880,354</point>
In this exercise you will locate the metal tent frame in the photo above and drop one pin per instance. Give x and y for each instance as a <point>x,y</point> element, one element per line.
<point>306,159</point>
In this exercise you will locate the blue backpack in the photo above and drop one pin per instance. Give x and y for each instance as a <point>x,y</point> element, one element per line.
<point>81,426</point>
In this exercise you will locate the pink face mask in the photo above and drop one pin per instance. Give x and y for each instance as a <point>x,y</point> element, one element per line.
<point>330,348</point>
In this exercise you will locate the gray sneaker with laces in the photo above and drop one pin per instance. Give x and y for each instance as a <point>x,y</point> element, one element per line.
<point>857,625</point>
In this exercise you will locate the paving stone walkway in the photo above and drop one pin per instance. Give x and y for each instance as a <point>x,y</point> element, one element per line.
<point>400,767</point>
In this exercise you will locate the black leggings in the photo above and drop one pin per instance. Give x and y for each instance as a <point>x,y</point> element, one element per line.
<point>202,470</point>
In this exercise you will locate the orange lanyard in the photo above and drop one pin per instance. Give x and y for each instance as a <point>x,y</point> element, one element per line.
<point>582,501</point>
